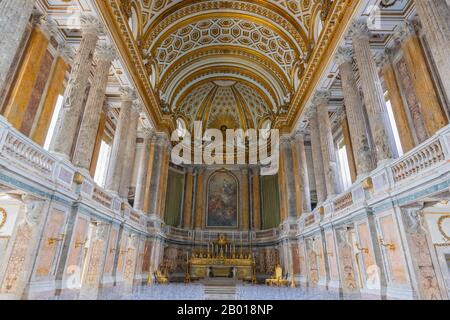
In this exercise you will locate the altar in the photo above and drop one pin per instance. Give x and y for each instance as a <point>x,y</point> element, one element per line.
<point>221,261</point>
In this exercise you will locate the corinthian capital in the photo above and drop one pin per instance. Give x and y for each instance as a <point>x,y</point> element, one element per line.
<point>321,98</point>
<point>128,94</point>
<point>359,29</point>
<point>90,24</point>
<point>404,31</point>
<point>343,55</point>
<point>106,51</point>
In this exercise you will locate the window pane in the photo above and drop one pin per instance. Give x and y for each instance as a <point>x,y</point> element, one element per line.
<point>53,123</point>
<point>398,143</point>
<point>344,166</point>
<point>102,164</point>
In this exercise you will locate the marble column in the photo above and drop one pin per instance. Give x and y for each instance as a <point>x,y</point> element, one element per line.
<point>119,145</point>
<point>139,198</point>
<point>28,73</point>
<point>317,156</point>
<point>256,200</point>
<point>130,150</point>
<point>188,197</point>
<point>434,16</point>
<point>91,118</point>
<point>304,177</point>
<point>72,109</point>
<point>199,198</point>
<point>348,146</point>
<point>245,200</point>
<point>327,144</point>
<point>429,111</point>
<point>373,92</point>
<point>14,17</point>
<point>355,113</point>
<point>98,140</point>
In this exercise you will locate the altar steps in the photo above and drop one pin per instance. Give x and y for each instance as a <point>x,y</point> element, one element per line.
<point>219,288</point>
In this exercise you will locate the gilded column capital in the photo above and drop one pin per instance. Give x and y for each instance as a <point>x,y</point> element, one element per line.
<point>343,55</point>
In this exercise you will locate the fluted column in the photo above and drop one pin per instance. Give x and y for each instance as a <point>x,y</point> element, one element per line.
<point>256,199</point>
<point>327,144</point>
<point>427,115</point>
<point>303,171</point>
<point>164,176</point>
<point>188,196</point>
<point>117,153</point>
<point>435,19</point>
<point>355,113</point>
<point>91,119</point>
<point>72,109</point>
<point>130,150</point>
<point>148,183</point>
<point>141,182</point>
<point>317,156</point>
<point>14,17</point>
<point>373,92</point>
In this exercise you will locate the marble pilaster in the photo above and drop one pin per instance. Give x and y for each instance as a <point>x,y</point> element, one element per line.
<point>91,118</point>
<point>23,248</point>
<point>373,92</point>
<point>327,144</point>
<point>429,282</point>
<point>129,150</point>
<point>398,107</point>
<point>28,72</point>
<point>355,113</point>
<point>14,17</point>
<point>256,200</point>
<point>72,109</point>
<point>189,191</point>
<point>304,176</point>
<point>245,200</point>
<point>289,187</point>
<point>139,198</point>
<point>199,198</point>
<point>116,161</point>
<point>434,16</point>
<point>429,108</point>
<point>317,156</point>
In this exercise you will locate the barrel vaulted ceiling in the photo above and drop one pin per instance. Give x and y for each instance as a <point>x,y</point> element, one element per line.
<point>233,63</point>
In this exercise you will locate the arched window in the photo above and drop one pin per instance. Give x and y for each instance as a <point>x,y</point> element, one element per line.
<point>181,128</point>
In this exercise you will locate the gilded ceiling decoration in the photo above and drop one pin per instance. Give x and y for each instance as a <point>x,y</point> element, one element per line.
<point>268,50</point>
